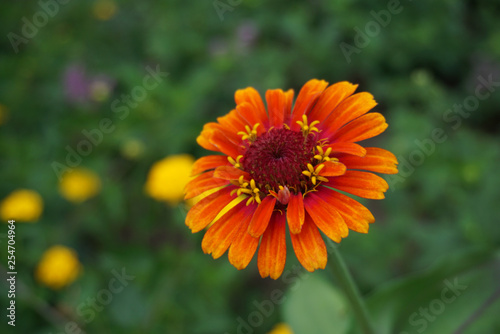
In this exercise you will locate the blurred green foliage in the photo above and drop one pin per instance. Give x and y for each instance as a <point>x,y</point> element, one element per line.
<point>429,57</point>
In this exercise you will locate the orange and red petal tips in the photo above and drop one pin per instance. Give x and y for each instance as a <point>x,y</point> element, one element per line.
<point>261,217</point>
<point>277,106</point>
<point>232,121</point>
<point>203,212</point>
<point>202,183</point>
<point>351,108</point>
<point>364,127</point>
<point>221,234</point>
<point>362,184</point>
<point>295,213</point>
<point>306,99</point>
<point>246,112</point>
<point>355,215</point>
<point>347,148</point>
<point>332,168</point>
<point>251,96</point>
<point>376,160</point>
<point>204,140</point>
<point>223,144</point>
<point>244,245</point>
<point>331,98</point>
<point>209,162</point>
<point>272,251</point>
<point>326,217</point>
<point>229,173</point>
<point>309,246</point>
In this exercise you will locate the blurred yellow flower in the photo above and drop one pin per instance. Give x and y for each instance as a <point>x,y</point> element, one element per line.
<point>100,90</point>
<point>281,329</point>
<point>58,267</point>
<point>132,149</point>
<point>22,205</point>
<point>104,9</point>
<point>79,185</point>
<point>168,177</point>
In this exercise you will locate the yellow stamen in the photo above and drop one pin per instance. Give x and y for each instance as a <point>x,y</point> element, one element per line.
<point>313,173</point>
<point>248,188</point>
<point>323,156</point>
<point>236,163</point>
<point>307,127</point>
<point>257,199</point>
<point>250,134</point>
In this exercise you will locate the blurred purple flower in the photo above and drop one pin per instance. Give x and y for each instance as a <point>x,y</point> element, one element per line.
<point>80,88</point>
<point>76,85</point>
<point>246,34</point>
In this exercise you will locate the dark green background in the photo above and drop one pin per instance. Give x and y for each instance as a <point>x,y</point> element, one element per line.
<point>439,221</point>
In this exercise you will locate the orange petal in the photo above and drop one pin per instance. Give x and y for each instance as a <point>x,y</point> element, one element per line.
<point>222,233</point>
<point>232,121</point>
<point>309,247</point>
<point>244,245</point>
<point>332,168</point>
<point>224,145</point>
<point>362,184</point>
<point>204,139</point>
<point>376,160</point>
<point>348,148</point>
<point>251,96</point>
<point>277,107</point>
<point>306,99</point>
<point>211,131</point>
<point>230,135</point>
<point>288,105</point>
<point>351,108</point>
<point>209,162</point>
<point>326,217</point>
<point>356,216</point>
<point>272,251</point>
<point>203,212</point>
<point>364,127</point>
<point>261,217</point>
<point>330,99</point>
<point>202,183</point>
<point>230,173</point>
<point>295,213</point>
<point>247,112</point>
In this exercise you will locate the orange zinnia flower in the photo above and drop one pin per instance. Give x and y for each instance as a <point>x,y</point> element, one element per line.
<point>284,166</point>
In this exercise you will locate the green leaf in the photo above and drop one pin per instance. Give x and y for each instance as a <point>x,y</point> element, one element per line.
<point>441,299</point>
<point>316,307</point>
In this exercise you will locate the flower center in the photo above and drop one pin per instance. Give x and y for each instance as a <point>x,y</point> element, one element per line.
<point>278,157</point>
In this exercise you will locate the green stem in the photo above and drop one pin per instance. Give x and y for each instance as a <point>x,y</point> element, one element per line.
<point>349,287</point>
